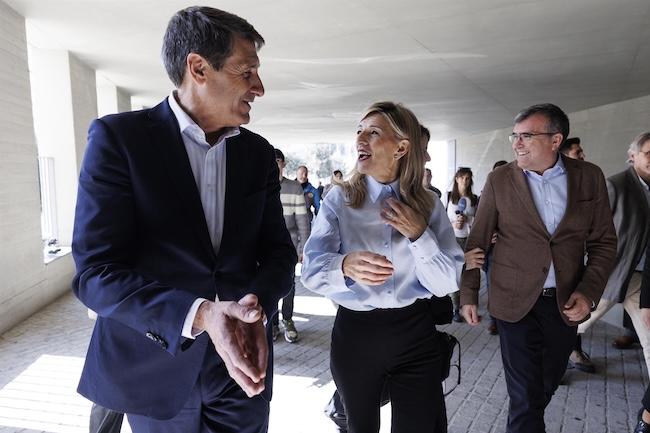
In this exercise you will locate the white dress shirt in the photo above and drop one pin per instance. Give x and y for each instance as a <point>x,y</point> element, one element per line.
<point>208,165</point>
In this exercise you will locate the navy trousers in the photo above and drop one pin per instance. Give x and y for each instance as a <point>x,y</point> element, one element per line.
<point>535,352</point>
<point>216,405</point>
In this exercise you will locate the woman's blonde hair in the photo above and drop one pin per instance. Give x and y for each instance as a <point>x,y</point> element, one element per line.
<point>405,126</point>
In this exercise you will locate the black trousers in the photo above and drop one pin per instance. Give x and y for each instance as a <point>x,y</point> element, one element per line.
<point>287,304</point>
<point>398,347</point>
<point>535,352</point>
<point>104,420</point>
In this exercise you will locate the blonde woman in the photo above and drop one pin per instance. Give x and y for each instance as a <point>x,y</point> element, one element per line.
<point>384,250</point>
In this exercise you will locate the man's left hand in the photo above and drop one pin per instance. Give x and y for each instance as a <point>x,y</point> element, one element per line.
<point>403,218</point>
<point>577,307</point>
<point>252,337</point>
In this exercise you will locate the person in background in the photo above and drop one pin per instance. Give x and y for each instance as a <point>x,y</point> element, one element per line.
<point>426,180</point>
<point>540,286</point>
<point>297,222</point>
<point>571,148</point>
<point>643,418</point>
<point>384,250</point>
<point>312,196</point>
<point>629,198</point>
<point>461,207</point>
<point>337,177</point>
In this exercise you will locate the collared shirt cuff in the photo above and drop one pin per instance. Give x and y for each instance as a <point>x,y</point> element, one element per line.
<point>188,330</point>
<point>425,247</point>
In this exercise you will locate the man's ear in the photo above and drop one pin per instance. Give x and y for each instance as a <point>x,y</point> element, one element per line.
<point>402,148</point>
<point>557,141</point>
<point>196,67</point>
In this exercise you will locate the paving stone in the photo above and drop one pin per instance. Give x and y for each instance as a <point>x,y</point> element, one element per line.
<point>604,402</point>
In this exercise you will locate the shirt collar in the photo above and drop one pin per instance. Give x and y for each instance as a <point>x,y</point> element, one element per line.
<point>375,189</point>
<point>557,170</point>
<point>189,127</point>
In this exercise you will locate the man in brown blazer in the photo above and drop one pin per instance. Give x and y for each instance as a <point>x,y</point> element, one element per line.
<point>548,211</point>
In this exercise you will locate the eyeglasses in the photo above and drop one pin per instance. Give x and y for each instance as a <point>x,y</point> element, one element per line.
<point>527,137</point>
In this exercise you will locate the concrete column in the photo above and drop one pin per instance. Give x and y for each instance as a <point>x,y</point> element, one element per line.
<point>110,98</point>
<point>65,102</point>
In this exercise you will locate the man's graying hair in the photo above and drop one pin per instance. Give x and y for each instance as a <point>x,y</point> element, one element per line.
<point>638,143</point>
<point>207,32</point>
<point>557,119</point>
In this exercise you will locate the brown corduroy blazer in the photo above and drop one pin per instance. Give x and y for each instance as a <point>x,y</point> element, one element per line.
<point>523,251</point>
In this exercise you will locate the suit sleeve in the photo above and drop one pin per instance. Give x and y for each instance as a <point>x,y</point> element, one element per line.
<point>104,245</point>
<point>600,245</point>
<point>485,223</point>
<point>276,255</point>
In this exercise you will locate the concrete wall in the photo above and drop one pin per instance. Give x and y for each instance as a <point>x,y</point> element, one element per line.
<point>27,284</point>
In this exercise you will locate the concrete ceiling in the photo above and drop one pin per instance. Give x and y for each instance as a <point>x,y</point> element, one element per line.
<point>464,66</point>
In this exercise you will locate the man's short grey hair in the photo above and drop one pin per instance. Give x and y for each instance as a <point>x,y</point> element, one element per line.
<point>206,31</point>
<point>557,119</point>
<point>638,142</point>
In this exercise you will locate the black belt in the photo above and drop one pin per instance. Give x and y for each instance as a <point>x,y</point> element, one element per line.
<point>548,292</point>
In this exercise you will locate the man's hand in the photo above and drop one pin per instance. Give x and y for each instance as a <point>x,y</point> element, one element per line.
<point>577,307</point>
<point>403,218</point>
<point>645,317</point>
<point>474,259</point>
<point>367,268</point>
<point>237,332</point>
<point>470,314</point>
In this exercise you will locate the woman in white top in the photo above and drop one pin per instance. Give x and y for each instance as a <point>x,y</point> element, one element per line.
<point>384,250</point>
<point>461,208</point>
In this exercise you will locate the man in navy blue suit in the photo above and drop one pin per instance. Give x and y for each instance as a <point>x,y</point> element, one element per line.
<point>180,243</point>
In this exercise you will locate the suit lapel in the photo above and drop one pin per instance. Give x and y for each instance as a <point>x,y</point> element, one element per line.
<point>636,189</point>
<point>235,181</point>
<point>167,139</point>
<point>522,190</point>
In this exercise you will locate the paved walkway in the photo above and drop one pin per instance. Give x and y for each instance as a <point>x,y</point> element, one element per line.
<point>40,362</point>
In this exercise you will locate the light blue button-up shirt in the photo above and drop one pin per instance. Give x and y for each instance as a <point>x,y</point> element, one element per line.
<point>549,191</point>
<point>208,167</point>
<point>429,265</point>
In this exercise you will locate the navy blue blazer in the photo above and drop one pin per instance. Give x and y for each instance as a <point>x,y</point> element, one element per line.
<point>143,255</point>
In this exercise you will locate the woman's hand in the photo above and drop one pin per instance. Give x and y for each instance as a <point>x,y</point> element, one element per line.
<point>460,222</point>
<point>367,268</point>
<point>474,259</point>
<point>403,219</point>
